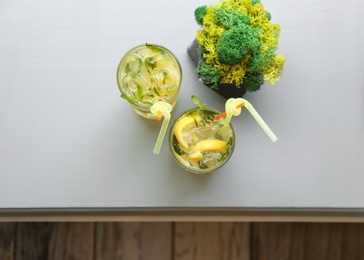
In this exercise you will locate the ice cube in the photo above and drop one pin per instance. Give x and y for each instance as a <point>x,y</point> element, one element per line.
<point>134,82</point>
<point>209,161</point>
<point>167,79</point>
<point>155,62</point>
<point>216,155</point>
<point>202,132</point>
<point>223,133</point>
<point>133,64</point>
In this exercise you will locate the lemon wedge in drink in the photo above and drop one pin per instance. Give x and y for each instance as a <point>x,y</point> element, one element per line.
<point>206,146</point>
<point>183,125</point>
<point>213,145</point>
<point>195,157</point>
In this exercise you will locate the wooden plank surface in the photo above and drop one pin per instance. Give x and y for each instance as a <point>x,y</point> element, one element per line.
<point>352,240</point>
<point>32,240</point>
<point>40,241</point>
<point>134,241</point>
<point>182,241</point>
<point>7,238</point>
<point>324,241</point>
<point>220,241</point>
<point>74,241</point>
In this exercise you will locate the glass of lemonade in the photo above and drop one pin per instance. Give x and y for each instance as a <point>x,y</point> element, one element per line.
<point>147,74</point>
<point>199,142</point>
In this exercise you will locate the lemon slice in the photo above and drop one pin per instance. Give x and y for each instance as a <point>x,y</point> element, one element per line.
<point>195,157</point>
<point>210,146</point>
<point>180,127</point>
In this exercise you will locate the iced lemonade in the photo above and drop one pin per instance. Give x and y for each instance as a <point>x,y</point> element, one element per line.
<point>199,142</point>
<point>148,74</point>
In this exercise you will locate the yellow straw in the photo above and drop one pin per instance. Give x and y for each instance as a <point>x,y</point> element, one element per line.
<point>232,110</point>
<point>164,108</point>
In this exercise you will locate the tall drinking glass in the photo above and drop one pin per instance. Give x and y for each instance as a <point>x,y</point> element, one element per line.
<point>148,74</point>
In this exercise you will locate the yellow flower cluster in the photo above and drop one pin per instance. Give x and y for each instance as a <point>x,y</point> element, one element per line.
<point>274,71</point>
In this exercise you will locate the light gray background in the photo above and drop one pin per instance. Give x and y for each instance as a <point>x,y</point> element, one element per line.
<point>68,140</point>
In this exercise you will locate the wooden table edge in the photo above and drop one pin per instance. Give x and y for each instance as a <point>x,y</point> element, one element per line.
<point>352,215</point>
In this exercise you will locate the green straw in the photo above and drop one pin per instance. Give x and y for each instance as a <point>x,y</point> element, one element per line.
<point>165,109</point>
<point>232,110</point>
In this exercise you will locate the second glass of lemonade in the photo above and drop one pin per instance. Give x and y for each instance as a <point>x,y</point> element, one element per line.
<point>148,74</point>
<point>199,142</point>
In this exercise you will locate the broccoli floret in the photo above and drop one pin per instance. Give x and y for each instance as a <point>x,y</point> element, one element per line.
<point>235,43</point>
<point>209,74</point>
<point>230,19</point>
<point>253,81</point>
<point>229,49</point>
<point>200,13</point>
<point>255,2</point>
<point>269,16</point>
<point>260,61</point>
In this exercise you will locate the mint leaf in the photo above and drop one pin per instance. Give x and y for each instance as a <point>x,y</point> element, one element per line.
<point>140,92</point>
<point>154,47</point>
<point>196,101</point>
<point>156,92</point>
<point>130,100</point>
<point>148,103</point>
<point>176,146</point>
<point>164,77</point>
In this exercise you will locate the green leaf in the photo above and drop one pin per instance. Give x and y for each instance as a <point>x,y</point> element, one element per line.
<point>196,123</point>
<point>202,165</point>
<point>127,69</point>
<point>148,103</point>
<point>176,146</point>
<point>156,92</point>
<point>130,100</point>
<point>164,77</point>
<point>196,100</point>
<point>203,121</point>
<point>228,150</point>
<point>151,64</point>
<point>154,47</point>
<point>206,115</point>
<point>140,92</point>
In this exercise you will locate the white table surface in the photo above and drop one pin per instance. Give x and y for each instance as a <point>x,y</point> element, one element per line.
<point>67,139</point>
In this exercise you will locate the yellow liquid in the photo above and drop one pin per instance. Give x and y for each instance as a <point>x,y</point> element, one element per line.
<point>148,74</point>
<point>201,144</point>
